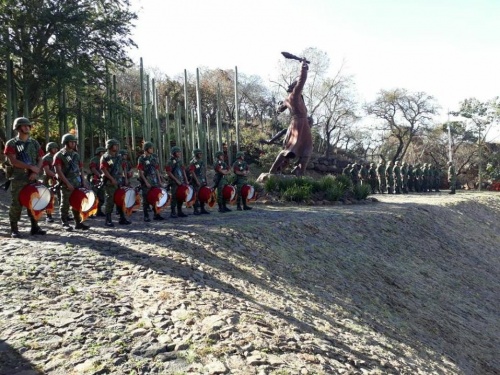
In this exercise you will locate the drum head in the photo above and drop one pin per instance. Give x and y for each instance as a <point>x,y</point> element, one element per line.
<point>248,192</point>
<point>88,201</point>
<point>162,198</point>
<point>130,198</point>
<point>42,201</point>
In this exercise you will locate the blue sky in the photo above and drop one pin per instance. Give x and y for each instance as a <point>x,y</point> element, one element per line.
<point>447,48</point>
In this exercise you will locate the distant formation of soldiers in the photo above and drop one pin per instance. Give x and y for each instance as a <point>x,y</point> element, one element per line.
<point>399,177</point>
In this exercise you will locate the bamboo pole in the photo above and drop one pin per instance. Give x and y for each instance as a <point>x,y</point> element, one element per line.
<point>132,130</point>
<point>9,110</point>
<point>237,108</point>
<point>166,144</point>
<point>143,103</point>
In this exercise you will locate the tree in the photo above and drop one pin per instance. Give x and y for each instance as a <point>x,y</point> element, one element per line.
<point>403,116</point>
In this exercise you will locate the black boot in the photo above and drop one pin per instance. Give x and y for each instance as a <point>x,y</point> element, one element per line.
<point>203,211</point>
<point>179,211</point>
<point>146,215</point>
<point>221,208</point>
<point>123,219</point>
<point>173,215</point>
<point>225,207</point>
<point>245,206</point>
<point>49,218</point>
<point>109,221</point>
<point>14,230</point>
<point>238,205</point>
<point>79,225</point>
<point>99,212</point>
<point>65,224</point>
<point>35,229</point>
<point>196,211</point>
<point>157,216</point>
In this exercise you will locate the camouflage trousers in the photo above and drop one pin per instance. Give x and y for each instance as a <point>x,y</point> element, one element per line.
<point>65,206</point>
<point>109,198</point>
<point>16,209</point>
<point>220,186</point>
<point>239,184</point>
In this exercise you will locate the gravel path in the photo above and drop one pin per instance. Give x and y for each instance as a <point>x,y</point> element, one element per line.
<point>405,285</point>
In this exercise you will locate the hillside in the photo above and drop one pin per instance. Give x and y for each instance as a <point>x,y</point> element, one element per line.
<point>404,285</point>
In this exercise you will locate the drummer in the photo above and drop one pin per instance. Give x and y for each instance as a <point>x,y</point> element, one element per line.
<point>198,178</point>
<point>127,166</point>
<point>240,169</point>
<point>49,175</point>
<point>114,177</point>
<point>69,170</point>
<point>177,174</point>
<point>24,156</point>
<point>96,178</point>
<point>149,176</point>
<point>221,170</point>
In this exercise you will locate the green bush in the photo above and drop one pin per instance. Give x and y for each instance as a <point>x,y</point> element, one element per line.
<point>297,193</point>
<point>271,184</point>
<point>360,192</point>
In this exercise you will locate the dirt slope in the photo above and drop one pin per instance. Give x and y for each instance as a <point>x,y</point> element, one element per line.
<point>405,285</point>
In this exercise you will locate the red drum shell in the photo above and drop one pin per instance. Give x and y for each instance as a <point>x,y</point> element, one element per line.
<point>228,192</point>
<point>157,197</point>
<point>204,194</point>
<point>125,195</point>
<point>185,193</point>
<point>247,192</point>
<point>82,200</point>
<point>35,197</point>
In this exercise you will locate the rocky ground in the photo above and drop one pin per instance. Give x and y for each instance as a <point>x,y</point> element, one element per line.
<point>402,285</point>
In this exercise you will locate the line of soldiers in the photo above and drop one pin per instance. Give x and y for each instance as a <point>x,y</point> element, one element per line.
<point>399,178</point>
<point>111,169</point>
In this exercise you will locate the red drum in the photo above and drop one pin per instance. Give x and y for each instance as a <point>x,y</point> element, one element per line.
<point>84,201</point>
<point>36,198</point>
<point>157,197</point>
<point>207,195</point>
<point>185,193</point>
<point>126,198</point>
<point>248,192</point>
<point>229,193</point>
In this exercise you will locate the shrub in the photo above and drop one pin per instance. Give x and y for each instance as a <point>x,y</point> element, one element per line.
<point>297,193</point>
<point>361,191</point>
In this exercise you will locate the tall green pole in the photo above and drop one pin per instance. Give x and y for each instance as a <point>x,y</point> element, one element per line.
<point>143,103</point>
<point>219,120</point>
<point>132,130</point>
<point>166,145</point>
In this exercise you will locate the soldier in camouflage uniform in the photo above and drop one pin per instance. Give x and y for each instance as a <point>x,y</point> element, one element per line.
<point>418,178</point>
<point>404,177</point>
<point>411,178</point>
<point>452,177</point>
<point>240,169</point>
<point>425,178</point>
<point>389,175</point>
<point>198,178</point>
<point>148,167</point>
<point>437,178</point>
<point>114,177</point>
<point>24,156</point>
<point>354,174</point>
<point>363,175</point>
<point>69,171</point>
<point>382,181</point>
<point>432,177</point>
<point>96,178</point>
<point>177,174</point>
<point>49,173</point>
<point>221,170</point>
<point>398,184</point>
<point>372,176</point>
<point>127,166</point>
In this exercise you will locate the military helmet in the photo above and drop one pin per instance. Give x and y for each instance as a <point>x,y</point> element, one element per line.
<point>397,162</point>
<point>111,142</point>
<point>99,149</point>
<point>20,121</point>
<point>372,164</point>
<point>218,153</point>
<point>240,154</point>
<point>147,146</point>
<point>175,149</point>
<point>123,152</point>
<point>68,138</point>
<point>404,163</point>
<point>197,151</point>
<point>50,146</point>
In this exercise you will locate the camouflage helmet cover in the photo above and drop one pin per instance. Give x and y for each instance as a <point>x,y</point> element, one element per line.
<point>147,146</point>
<point>175,149</point>
<point>68,138</point>
<point>218,153</point>
<point>99,149</point>
<point>20,121</point>
<point>50,146</point>
<point>197,151</point>
<point>240,154</point>
<point>111,142</point>
<point>123,152</point>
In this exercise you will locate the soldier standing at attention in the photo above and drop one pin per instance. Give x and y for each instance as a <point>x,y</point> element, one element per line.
<point>240,169</point>
<point>372,175</point>
<point>177,173</point>
<point>382,182</point>
<point>452,177</point>
<point>425,178</point>
<point>418,178</point>
<point>404,177</point>
<point>221,170</point>
<point>69,171</point>
<point>389,174</point>
<point>149,176</point>
<point>49,172</point>
<point>127,165</point>
<point>114,177</point>
<point>95,179</point>
<point>397,178</point>
<point>363,174</point>
<point>198,175</point>
<point>24,155</point>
